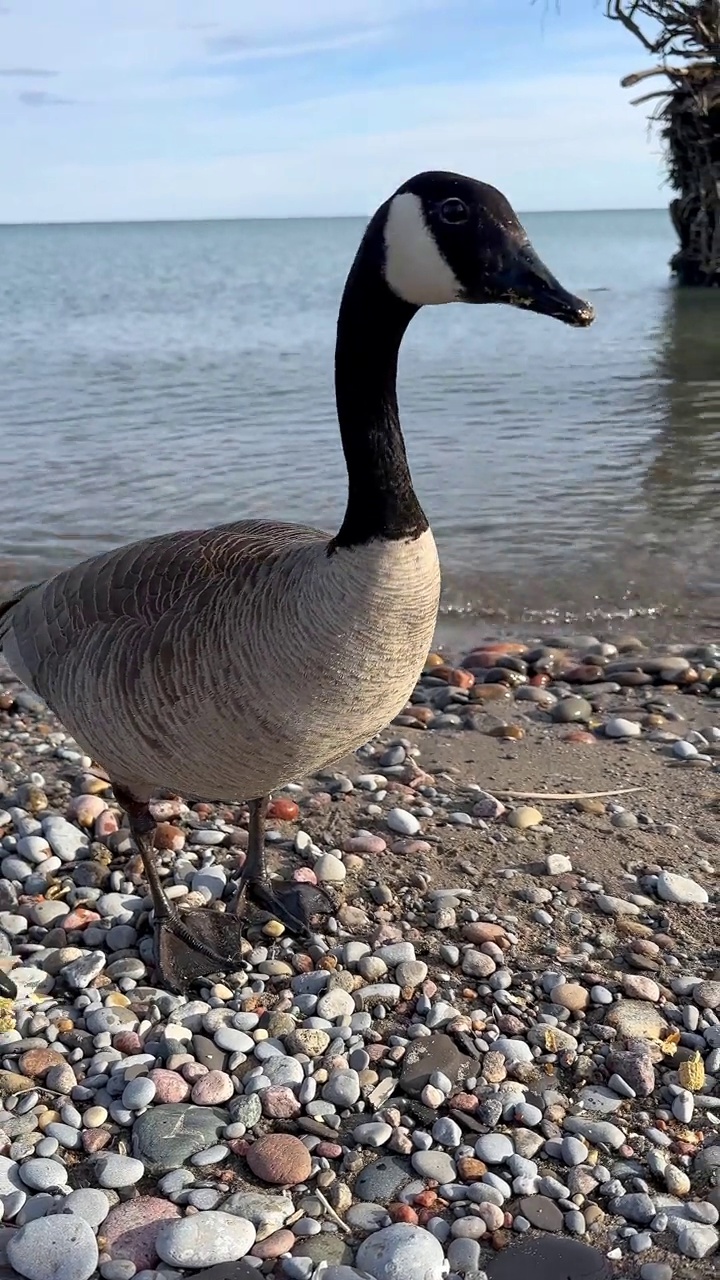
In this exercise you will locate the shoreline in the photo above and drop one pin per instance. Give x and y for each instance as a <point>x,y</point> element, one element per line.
<point>557,958</point>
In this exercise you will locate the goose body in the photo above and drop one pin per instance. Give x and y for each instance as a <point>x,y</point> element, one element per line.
<point>229,660</point>
<point>224,662</point>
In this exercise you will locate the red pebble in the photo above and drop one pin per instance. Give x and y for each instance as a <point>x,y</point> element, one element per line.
<point>80,918</point>
<point>402,1213</point>
<point>426,1199</point>
<point>127,1042</point>
<point>465,1102</point>
<point>95,1140</point>
<point>168,836</point>
<point>459,677</point>
<point>582,737</point>
<point>329,1150</point>
<point>238,1146</point>
<point>283,809</point>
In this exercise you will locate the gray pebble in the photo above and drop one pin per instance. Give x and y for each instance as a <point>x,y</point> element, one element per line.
<point>342,1088</point>
<point>435,1165</point>
<point>118,1171</point>
<point>88,1203</point>
<point>234,1041</point>
<point>373,1134</point>
<point>43,1175</point>
<point>463,1255</point>
<point>61,1247</point>
<point>697,1241</point>
<point>118,1269</point>
<point>493,1148</point>
<point>138,1093</point>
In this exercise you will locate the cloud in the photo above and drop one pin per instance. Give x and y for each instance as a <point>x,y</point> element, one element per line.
<point>239,50</point>
<point>39,98</point>
<point>19,73</point>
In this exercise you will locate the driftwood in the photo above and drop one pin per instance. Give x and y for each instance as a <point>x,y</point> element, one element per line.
<point>562,795</point>
<point>688,113</point>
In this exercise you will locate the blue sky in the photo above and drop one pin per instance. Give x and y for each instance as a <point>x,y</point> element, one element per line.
<point>116,109</point>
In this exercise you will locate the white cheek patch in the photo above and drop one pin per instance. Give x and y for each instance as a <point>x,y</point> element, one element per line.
<point>415,269</point>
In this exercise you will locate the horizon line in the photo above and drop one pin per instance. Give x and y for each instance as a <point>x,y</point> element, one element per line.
<point>302,217</point>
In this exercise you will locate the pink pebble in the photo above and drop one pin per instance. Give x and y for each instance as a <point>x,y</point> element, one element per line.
<point>166,810</point>
<point>193,1070</point>
<point>95,1140</point>
<point>305,875</point>
<point>169,1086</point>
<point>212,1089</point>
<point>85,809</point>
<point>365,844</point>
<point>411,847</point>
<point>273,1246</point>
<point>127,1042</point>
<point>329,1150</point>
<point>106,824</point>
<point>130,1229</point>
<point>279,1103</point>
<point>80,918</point>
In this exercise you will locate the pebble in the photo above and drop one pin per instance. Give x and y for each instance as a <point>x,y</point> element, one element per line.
<point>118,1171</point>
<point>399,1251</point>
<point>434,1165</point>
<point>541,1213</point>
<point>677,888</point>
<point>619,727</point>
<point>279,1158</point>
<point>131,1227</point>
<point>138,1093</point>
<point>43,1175</point>
<point>330,869</point>
<point>204,1239</point>
<point>523,817</point>
<point>493,1148</point>
<point>55,1248</point>
<point>164,1137</point>
<point>88,1203</point>
<point>697,1241</point>
<point>402,822</point>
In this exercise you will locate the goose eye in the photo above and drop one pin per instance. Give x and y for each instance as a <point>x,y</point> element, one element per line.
<point>454,211</point>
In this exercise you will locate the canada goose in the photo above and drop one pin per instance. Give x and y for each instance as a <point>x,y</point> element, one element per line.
<point>220,663</point>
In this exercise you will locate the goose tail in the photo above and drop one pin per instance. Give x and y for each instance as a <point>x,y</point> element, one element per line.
<point>7,607</point>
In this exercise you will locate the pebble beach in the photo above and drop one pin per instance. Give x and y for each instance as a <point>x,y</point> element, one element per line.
<point>500,1052</point>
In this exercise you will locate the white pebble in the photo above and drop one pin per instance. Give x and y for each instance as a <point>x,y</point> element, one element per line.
<point>404,823</point>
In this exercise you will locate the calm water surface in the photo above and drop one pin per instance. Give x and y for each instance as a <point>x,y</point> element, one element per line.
<point>167,375</point>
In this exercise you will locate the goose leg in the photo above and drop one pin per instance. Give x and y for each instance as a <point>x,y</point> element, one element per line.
<point>188,945</point>
<point>292,903</point>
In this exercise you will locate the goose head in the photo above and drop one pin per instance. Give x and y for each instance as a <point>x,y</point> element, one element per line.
<point>448,238</point>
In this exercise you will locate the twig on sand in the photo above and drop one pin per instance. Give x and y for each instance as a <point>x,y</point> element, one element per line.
<point>330,1211</point>
<point>563,795</point>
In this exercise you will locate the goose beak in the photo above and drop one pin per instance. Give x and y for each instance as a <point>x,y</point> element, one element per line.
<point>526,282</point>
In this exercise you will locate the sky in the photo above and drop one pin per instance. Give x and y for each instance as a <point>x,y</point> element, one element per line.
<point>146,109</point>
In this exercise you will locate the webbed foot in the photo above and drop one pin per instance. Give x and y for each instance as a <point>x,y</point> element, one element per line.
<point>195,944</point>
<point>292,902</point>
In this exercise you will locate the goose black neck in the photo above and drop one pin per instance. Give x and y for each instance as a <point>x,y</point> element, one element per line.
<point>381,500</point>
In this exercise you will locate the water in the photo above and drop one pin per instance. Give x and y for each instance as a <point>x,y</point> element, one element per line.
<point>155,376</point>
